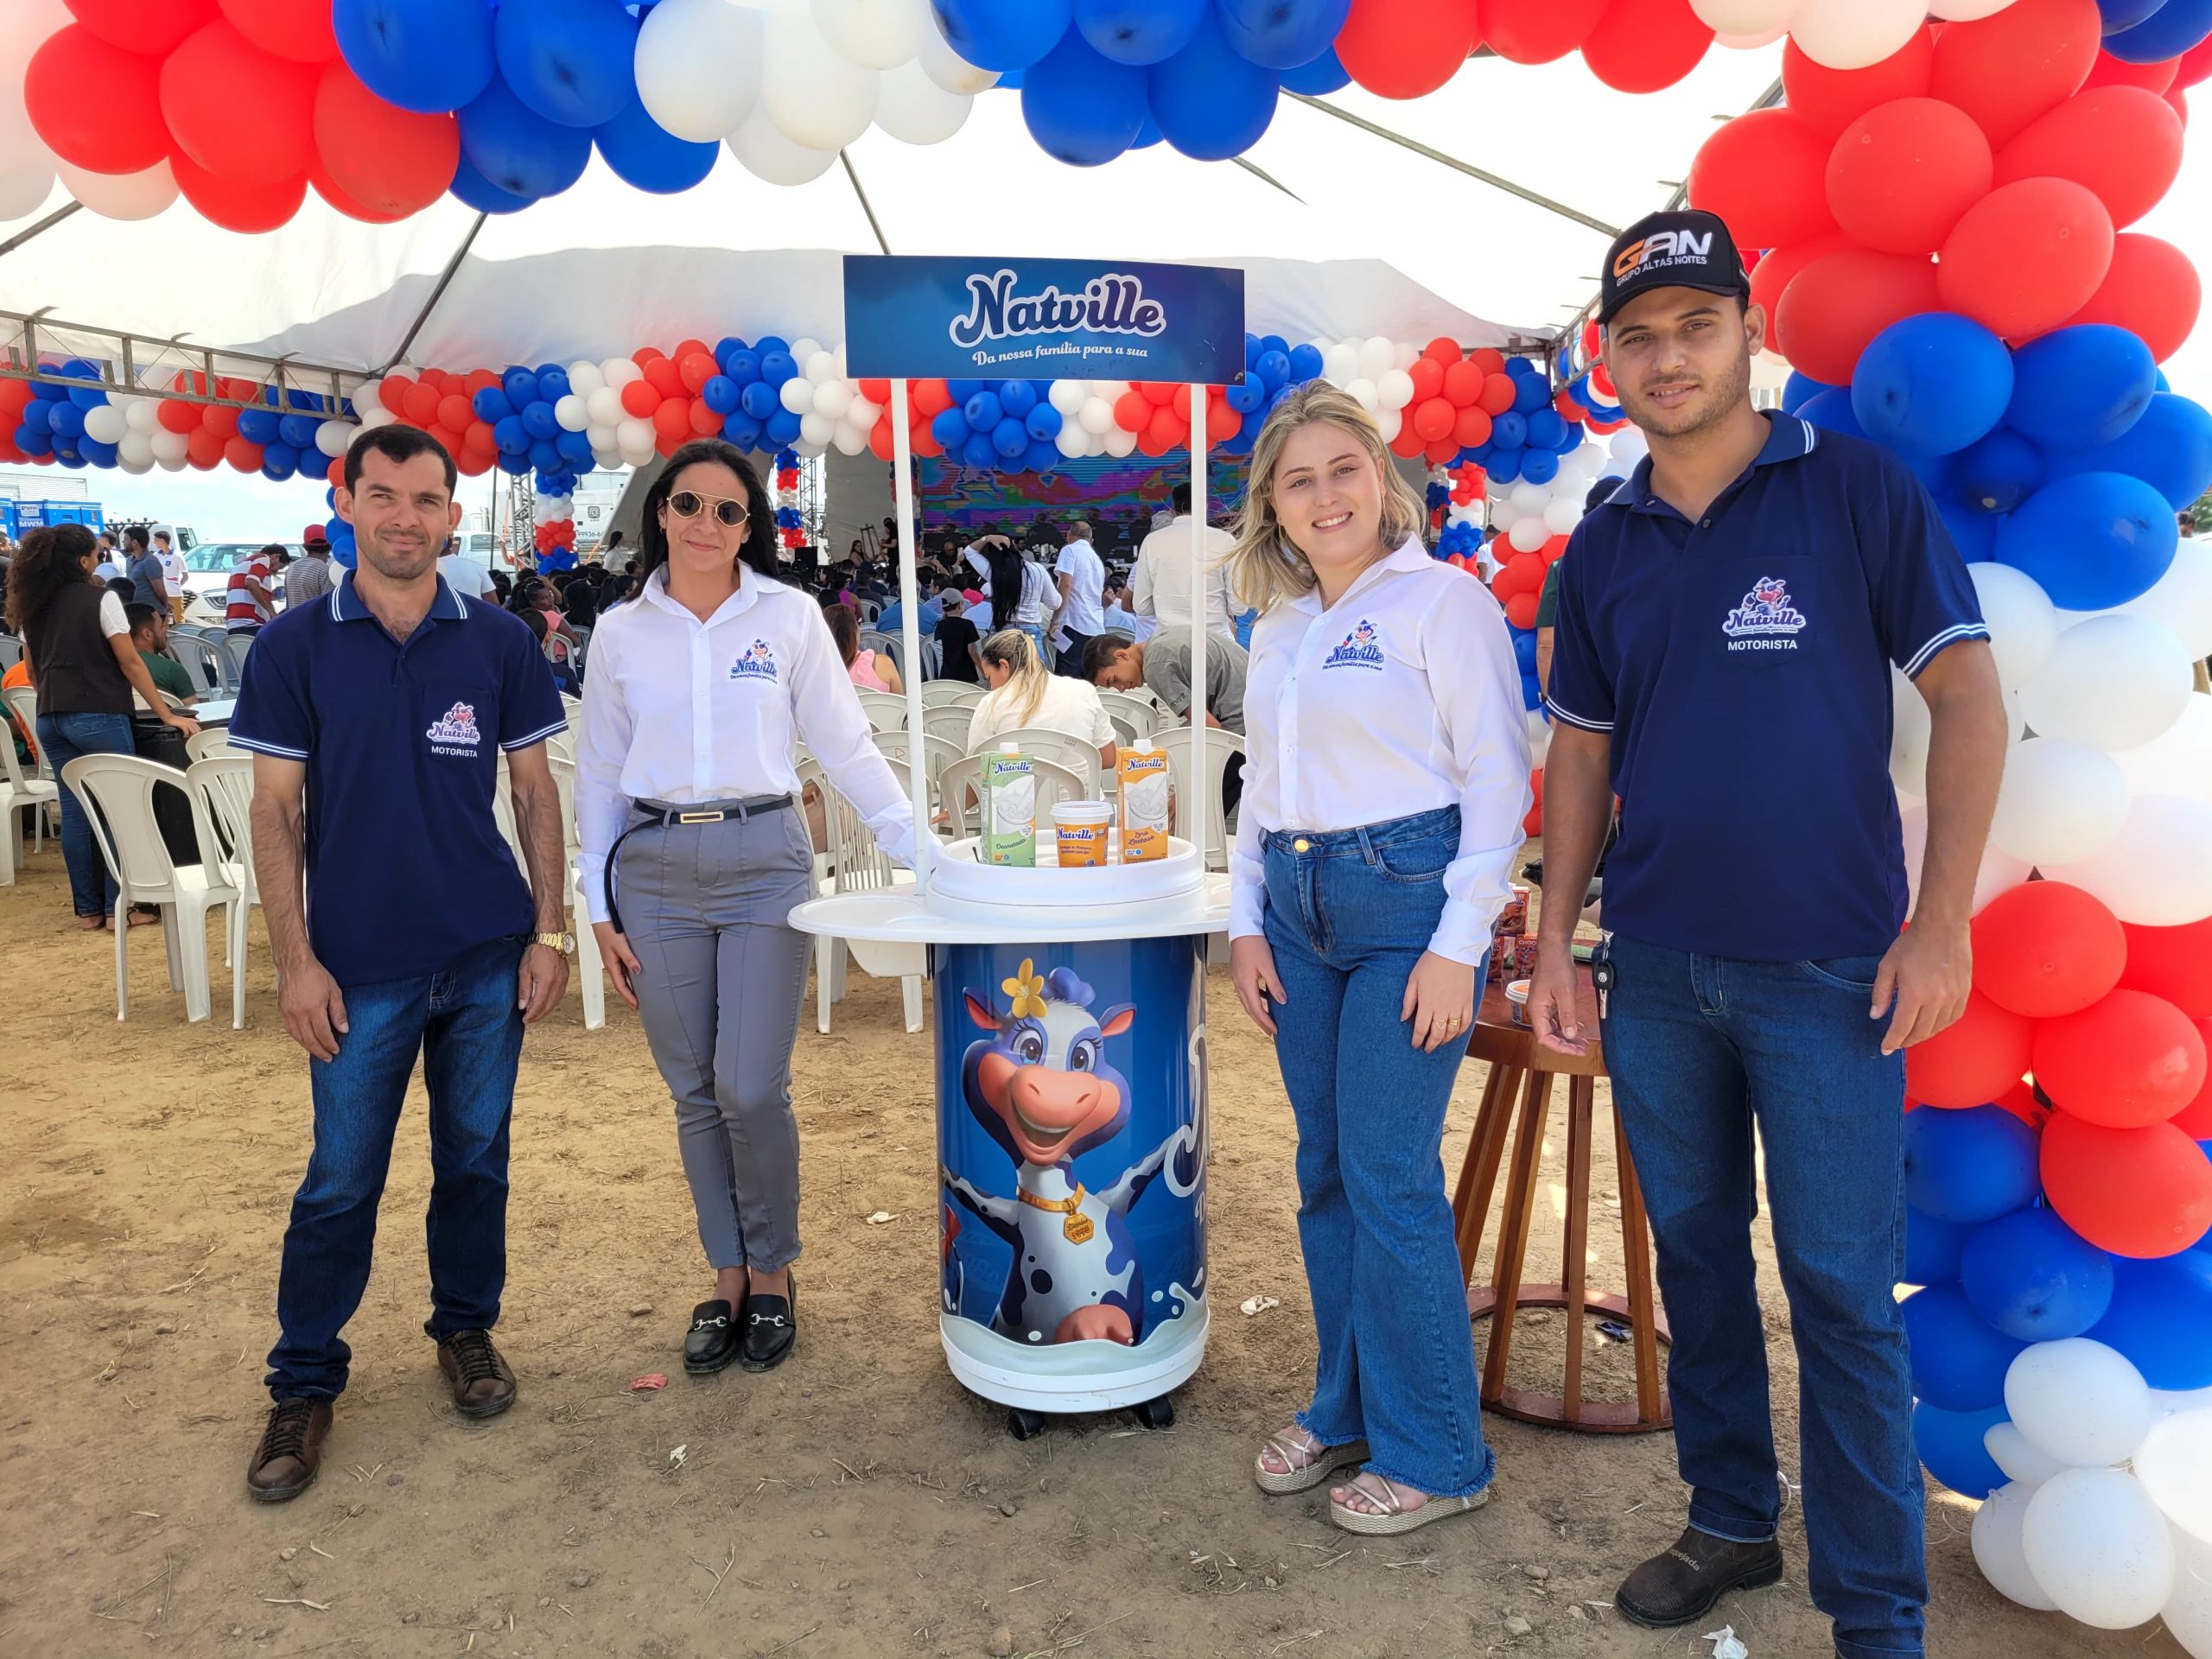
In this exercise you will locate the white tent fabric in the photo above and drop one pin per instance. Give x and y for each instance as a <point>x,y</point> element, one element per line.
<point>1372,239</point>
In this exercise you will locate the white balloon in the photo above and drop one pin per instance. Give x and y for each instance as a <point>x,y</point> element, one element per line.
<point>2022,623</point>
<point>1999,871</point>
<point>1628,447</point>
<point>373,416</point>
<point>604,408</point>
<point>1997,1549</point>
<point>584,379</point>
<point>2078,1402</point>
<point>1750,42</point>
<point>1528,535</point>
<point>816,429</point>
<point>1376,358</point>
<point>948,68</point>
<point>1096,416</point>
<point>2009,1450</point>
<point>1340,363</point>
<point>2178,761</point>
<point>1067,396</point>
<point>862,414</point>
<point>128,196</point>
<point>619,371</point>
<point>1395,389</point>
<point>1120,444</point>
<point>331,438</point>
<point>571,413</point>
<point>633,433</point>
<point>797,394</point>
<point>814,94</point>
<point>699,66</point>
<point>142,413</point>
<point>817,365</point>
<point>2116,682</point>
<point>171,448</point>
<point>2060,802</point>
<point>1911,728</point>
<point>1072,440</point>
<point>136,450</point>
<point>847,441</point>
<point>2175,1465</point>
<point>106,424</point>
<point>2156,872</point>
<point>1966,11</point>
<point>1526,498</point>
<point>1562,517</point>
<point>880,34</point>
<point>1364,390</point>
<point>1855,34</point>
<point>2180,601</point>
<point>803,351</point>
<point>2099,1547</point>
<point>913,109</point>
<point>2188,1611</point>
<point>601,437</point>
<point>1404,354</point>
<point>833,399</point>
<point>1391,423</point>
<point>1746,16</point>
<point>768,155</point>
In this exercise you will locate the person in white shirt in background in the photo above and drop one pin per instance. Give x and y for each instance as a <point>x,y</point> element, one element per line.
<point>172,573</point>
<point>1021,594</point>
<point>111,564</point>
<point>1025,693</point>
<point>1082,605</point>
<point>693,854</point>
<point>466,576</point>
<point>312,575</point>
<point>1160,585</point>
<point>1386,780</point>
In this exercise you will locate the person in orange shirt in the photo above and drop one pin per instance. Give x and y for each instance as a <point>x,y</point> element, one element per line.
<point>20,675</point>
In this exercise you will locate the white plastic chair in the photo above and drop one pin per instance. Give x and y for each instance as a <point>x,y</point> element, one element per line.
<point>1220,745</point>
<point>945,694</point>
<point>211,743</point>
<point>938,753</point>
<point>949,720</point>
<point>233,650</point>
<point>963,777</point>
<point>21,793</point>
<point>1077,755</point>
<point>1142,714</point>
<point>116,792</point>
<point>886,710</point>
<point>11,652</point>
<point>22,703</point>
<point>204,660</point>
<point>221,787</point>
<point>590,966</point>
<point>857,864</point>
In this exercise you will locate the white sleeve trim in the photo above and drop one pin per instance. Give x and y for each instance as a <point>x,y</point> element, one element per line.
<point>261,746</point>
<point>1950,636</point>
<point>1574,719</point>
<point>561,725</point>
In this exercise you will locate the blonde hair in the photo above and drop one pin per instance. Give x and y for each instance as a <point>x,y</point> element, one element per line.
<point>1264,567</point>
<point>1015,651</point>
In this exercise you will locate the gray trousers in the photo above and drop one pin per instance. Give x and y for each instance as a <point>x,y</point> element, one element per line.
<point>720,977</point>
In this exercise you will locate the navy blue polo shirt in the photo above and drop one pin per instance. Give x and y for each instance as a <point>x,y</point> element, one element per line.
<point>1740,665</point>
<point>406,868</point>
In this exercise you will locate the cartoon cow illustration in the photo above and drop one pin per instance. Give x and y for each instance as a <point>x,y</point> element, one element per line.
<point>1041,1087</point>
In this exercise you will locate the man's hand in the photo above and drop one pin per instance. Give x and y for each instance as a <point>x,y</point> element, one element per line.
<point>1555,1011</point>
<point>314,1008</point>
<point>1928,974</point>
<point>1252,972</point>
<point>545,982</point>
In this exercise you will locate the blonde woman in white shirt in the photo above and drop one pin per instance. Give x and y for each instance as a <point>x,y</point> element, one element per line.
<point>1386,778</point>
<point>1025,693</point>
<point>694,854</point>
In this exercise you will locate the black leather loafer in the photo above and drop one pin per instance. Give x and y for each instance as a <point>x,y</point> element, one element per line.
<point>712,1341</point>
<point>771,1328</point>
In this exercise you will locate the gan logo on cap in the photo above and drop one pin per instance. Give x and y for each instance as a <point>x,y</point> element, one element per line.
<point>1660,249</point>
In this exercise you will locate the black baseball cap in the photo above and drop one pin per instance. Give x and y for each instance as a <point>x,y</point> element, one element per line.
<point>1684,249</point>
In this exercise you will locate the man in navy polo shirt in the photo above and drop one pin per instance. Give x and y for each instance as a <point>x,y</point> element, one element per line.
<point>376,715</point>
<point>1726,624</point>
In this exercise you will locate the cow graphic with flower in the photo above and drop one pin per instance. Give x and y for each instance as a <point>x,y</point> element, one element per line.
<point>1040,1085</point>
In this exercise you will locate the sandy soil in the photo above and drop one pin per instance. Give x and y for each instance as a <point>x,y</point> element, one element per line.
<point>856,1501</point>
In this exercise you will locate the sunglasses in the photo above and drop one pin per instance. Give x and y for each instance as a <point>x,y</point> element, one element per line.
<point>687,504</point>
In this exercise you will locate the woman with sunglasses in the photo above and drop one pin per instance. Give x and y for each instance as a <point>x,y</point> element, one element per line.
<point>693,856</point>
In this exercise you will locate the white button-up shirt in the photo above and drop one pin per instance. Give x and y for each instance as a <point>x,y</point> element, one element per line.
<point>1084,613</point>
<point>684,711</point>
<point>1161,584</point>
<point>1401,697</point>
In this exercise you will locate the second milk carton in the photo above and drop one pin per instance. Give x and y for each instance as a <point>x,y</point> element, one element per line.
<point>1145,778</point>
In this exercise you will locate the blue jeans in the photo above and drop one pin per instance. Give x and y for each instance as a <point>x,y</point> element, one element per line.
<point>464,1022</point>
<point>63,738</point>
<point>1702,1049</point>
<point>1347,918</point>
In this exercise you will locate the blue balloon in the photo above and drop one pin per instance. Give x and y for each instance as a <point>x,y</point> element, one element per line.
<point>297,430</point>
<point>1540,466</point>
<point>2176,27</point>
<point>2092,541</point>
<point>1970,1166</point>
<point>1002,34</point>
<point>519,386</point>
<point>1932,383</point>
<point>1283,34</point>
<point>1083,108</point>
<point>2118,15</point>
<point>512,436</point>
<point>552,383</point>
<point>647,157</point>
<point>575,447</point>
<point>949,428</point>
<point>980,453</point>
<point>1832,412</point>
<point>2161,1319</point>
<point>1009,437</point>
<point>1524,649</point>
<point>1252,348</point>
<point>69,421</point>
<point>1958,1361</point>
<point>1210,103</point>
<point>726,346</point>
<point>1546,428</point>
<point>983,411</point>
<point>512,464</point>
<point>1042,457</point>
<point>518,150</point>
<point>1139,31</point>
<point>2031,1276</point>
<point>95,452</point>
<point>1044,422</point>
<point>472,188</point>
<point>1018,397</point>
<point>2000,472</point>
<point>1532,693</point>
<point>742,365</point>
<point>491,405</point>
<point>1951,1448</point>
<point>570,60</point>
<point>279,462</point>
<point>1973,533</point>
<point>768,343</point>
<point>1531,392</point>
<point>1932,1248</point>
<point>545,455</point>
<point>1326,74</point>
<point>2080,387</point>
<point>427,55</point>
<point>1246,393</point>
<point>538,418</point>
<point>1798,390</point>
<point>783,428</point>
<point>719,394</point>
<point>743,431</point>
<point>777,367</point>
<point>1305,363</point>
<point>1504,465</point>
<point>1274,369</point>
<point>35,441</point>
<point>2169,449</point>
<point>257,426</point>
<point>87,396</point>
<point>1508,432</point>
<point>758,399</point>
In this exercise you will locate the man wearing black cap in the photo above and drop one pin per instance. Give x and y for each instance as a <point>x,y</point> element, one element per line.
<point>1727,621</point>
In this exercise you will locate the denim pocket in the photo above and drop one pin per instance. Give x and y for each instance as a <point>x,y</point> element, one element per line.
<point>1843,973</point>
<point>1425,860</point>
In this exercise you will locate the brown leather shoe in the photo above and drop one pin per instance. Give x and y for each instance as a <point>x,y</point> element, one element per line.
<point>482,1384</point>
<point>289,1456</point>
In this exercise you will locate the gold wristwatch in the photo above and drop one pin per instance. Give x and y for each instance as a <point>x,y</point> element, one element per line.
<point>564,943</point>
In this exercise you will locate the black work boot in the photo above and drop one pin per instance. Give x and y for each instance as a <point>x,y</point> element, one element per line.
<point>1681,1584</point>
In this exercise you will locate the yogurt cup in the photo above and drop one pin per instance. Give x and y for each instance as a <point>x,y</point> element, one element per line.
<point>1082,828</point>
<point>1517,993</point>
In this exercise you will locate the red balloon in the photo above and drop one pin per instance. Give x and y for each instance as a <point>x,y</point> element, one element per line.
<point>695,348</point>
<point>2144,1193</point>
<point>1133,411</point>
<point>1538,31</point>
<point>2195,1120</point>
<point>1157,391</point>
<point>1769,282</point>
<point>320,182</point>
<point>2174,963</point>
<point>241,112</point>
<point>1905,172</point>
<point>1972,1062</point>
<point>221,419</point>
<point>879,392</point>
<point>1221,427</point>
<point>2027,256</point>
<point>1181,403</point>
<point>2179,102</point>
<point>2122,142</point>
<point>299,30</point>
<point>1168,428</point>
<point>176,417</point>
<point>922,441</point>
<point>704,422</point>
<point>1428,378</point>
<point>479,439</point>
<point>335,474</point>
<point>1496,395</point>
<point>1434,419</point>
<point>929,398</point>
<point>204,449</point>
<point>2126,1061</point>
<point>1461,385</point>
<point>664,377</point>
<point>1437,454</point>
<point>1527,570</point>
<point>1443,351</point>
<point>1646,46</point>
<point>1404,48</point>
<point>1408,443</point>
<point>2007,69</point>
<point>2194,66</point>
<point>421,403</point>
<point>2044,948</point>
<point>95,105</point>
<point>1828,100</point>
<point>454,413</point>
<point>2118,72</point>
<point>392,390</point>
<point>1765,173</point>
<point>641,398</point>
<point>1554,550</point>
<point>696,368</point>
<point>244,455</point>
<point>672,419</point>
<point>248,209</point>
<point>391,160</point>
<point>1839,303</point>
<point>1471,427</point>
<point>2152,290</point>
<point>151,27</point>
<point>1520,610</point>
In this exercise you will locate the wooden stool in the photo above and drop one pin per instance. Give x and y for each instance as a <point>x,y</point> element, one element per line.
<point>1518,1065</point>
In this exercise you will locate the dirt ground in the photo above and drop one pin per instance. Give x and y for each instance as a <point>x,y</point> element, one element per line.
<point>856,1501</point>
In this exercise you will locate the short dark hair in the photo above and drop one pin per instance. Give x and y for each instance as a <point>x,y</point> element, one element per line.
<point>139,615</point>
<point>1098,654</point>
<point>122,588</point>
<point>1181,496</point>
<point>135,536</point>
<point>161,535</point>
<point>397,443</point>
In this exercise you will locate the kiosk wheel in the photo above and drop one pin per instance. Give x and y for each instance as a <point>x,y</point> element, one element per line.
<point>1155,1413</point>
<point>1023,1423</point>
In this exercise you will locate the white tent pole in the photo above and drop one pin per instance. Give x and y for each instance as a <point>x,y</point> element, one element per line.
<point>910,633</point>
<point>1200,644</point>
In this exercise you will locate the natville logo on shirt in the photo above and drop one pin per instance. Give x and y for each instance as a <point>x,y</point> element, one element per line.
<point>456,733</point>
<point>1765,612</point>
<point>757,664</point>
<point>1361,648</point>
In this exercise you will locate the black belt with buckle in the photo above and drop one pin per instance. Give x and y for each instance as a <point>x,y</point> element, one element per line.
<point>659,815</point>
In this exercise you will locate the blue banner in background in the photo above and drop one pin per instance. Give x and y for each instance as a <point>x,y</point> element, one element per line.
<point>1042,320</point>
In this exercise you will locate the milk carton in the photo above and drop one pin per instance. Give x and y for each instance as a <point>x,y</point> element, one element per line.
<point>1145,778</point>
<point>1010,808</point>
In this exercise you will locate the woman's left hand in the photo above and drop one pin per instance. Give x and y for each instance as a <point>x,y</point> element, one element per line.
<point>1440,1000</point>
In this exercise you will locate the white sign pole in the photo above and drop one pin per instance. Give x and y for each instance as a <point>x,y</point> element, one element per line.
<point>909,632</point>
<point>1198,642</point>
